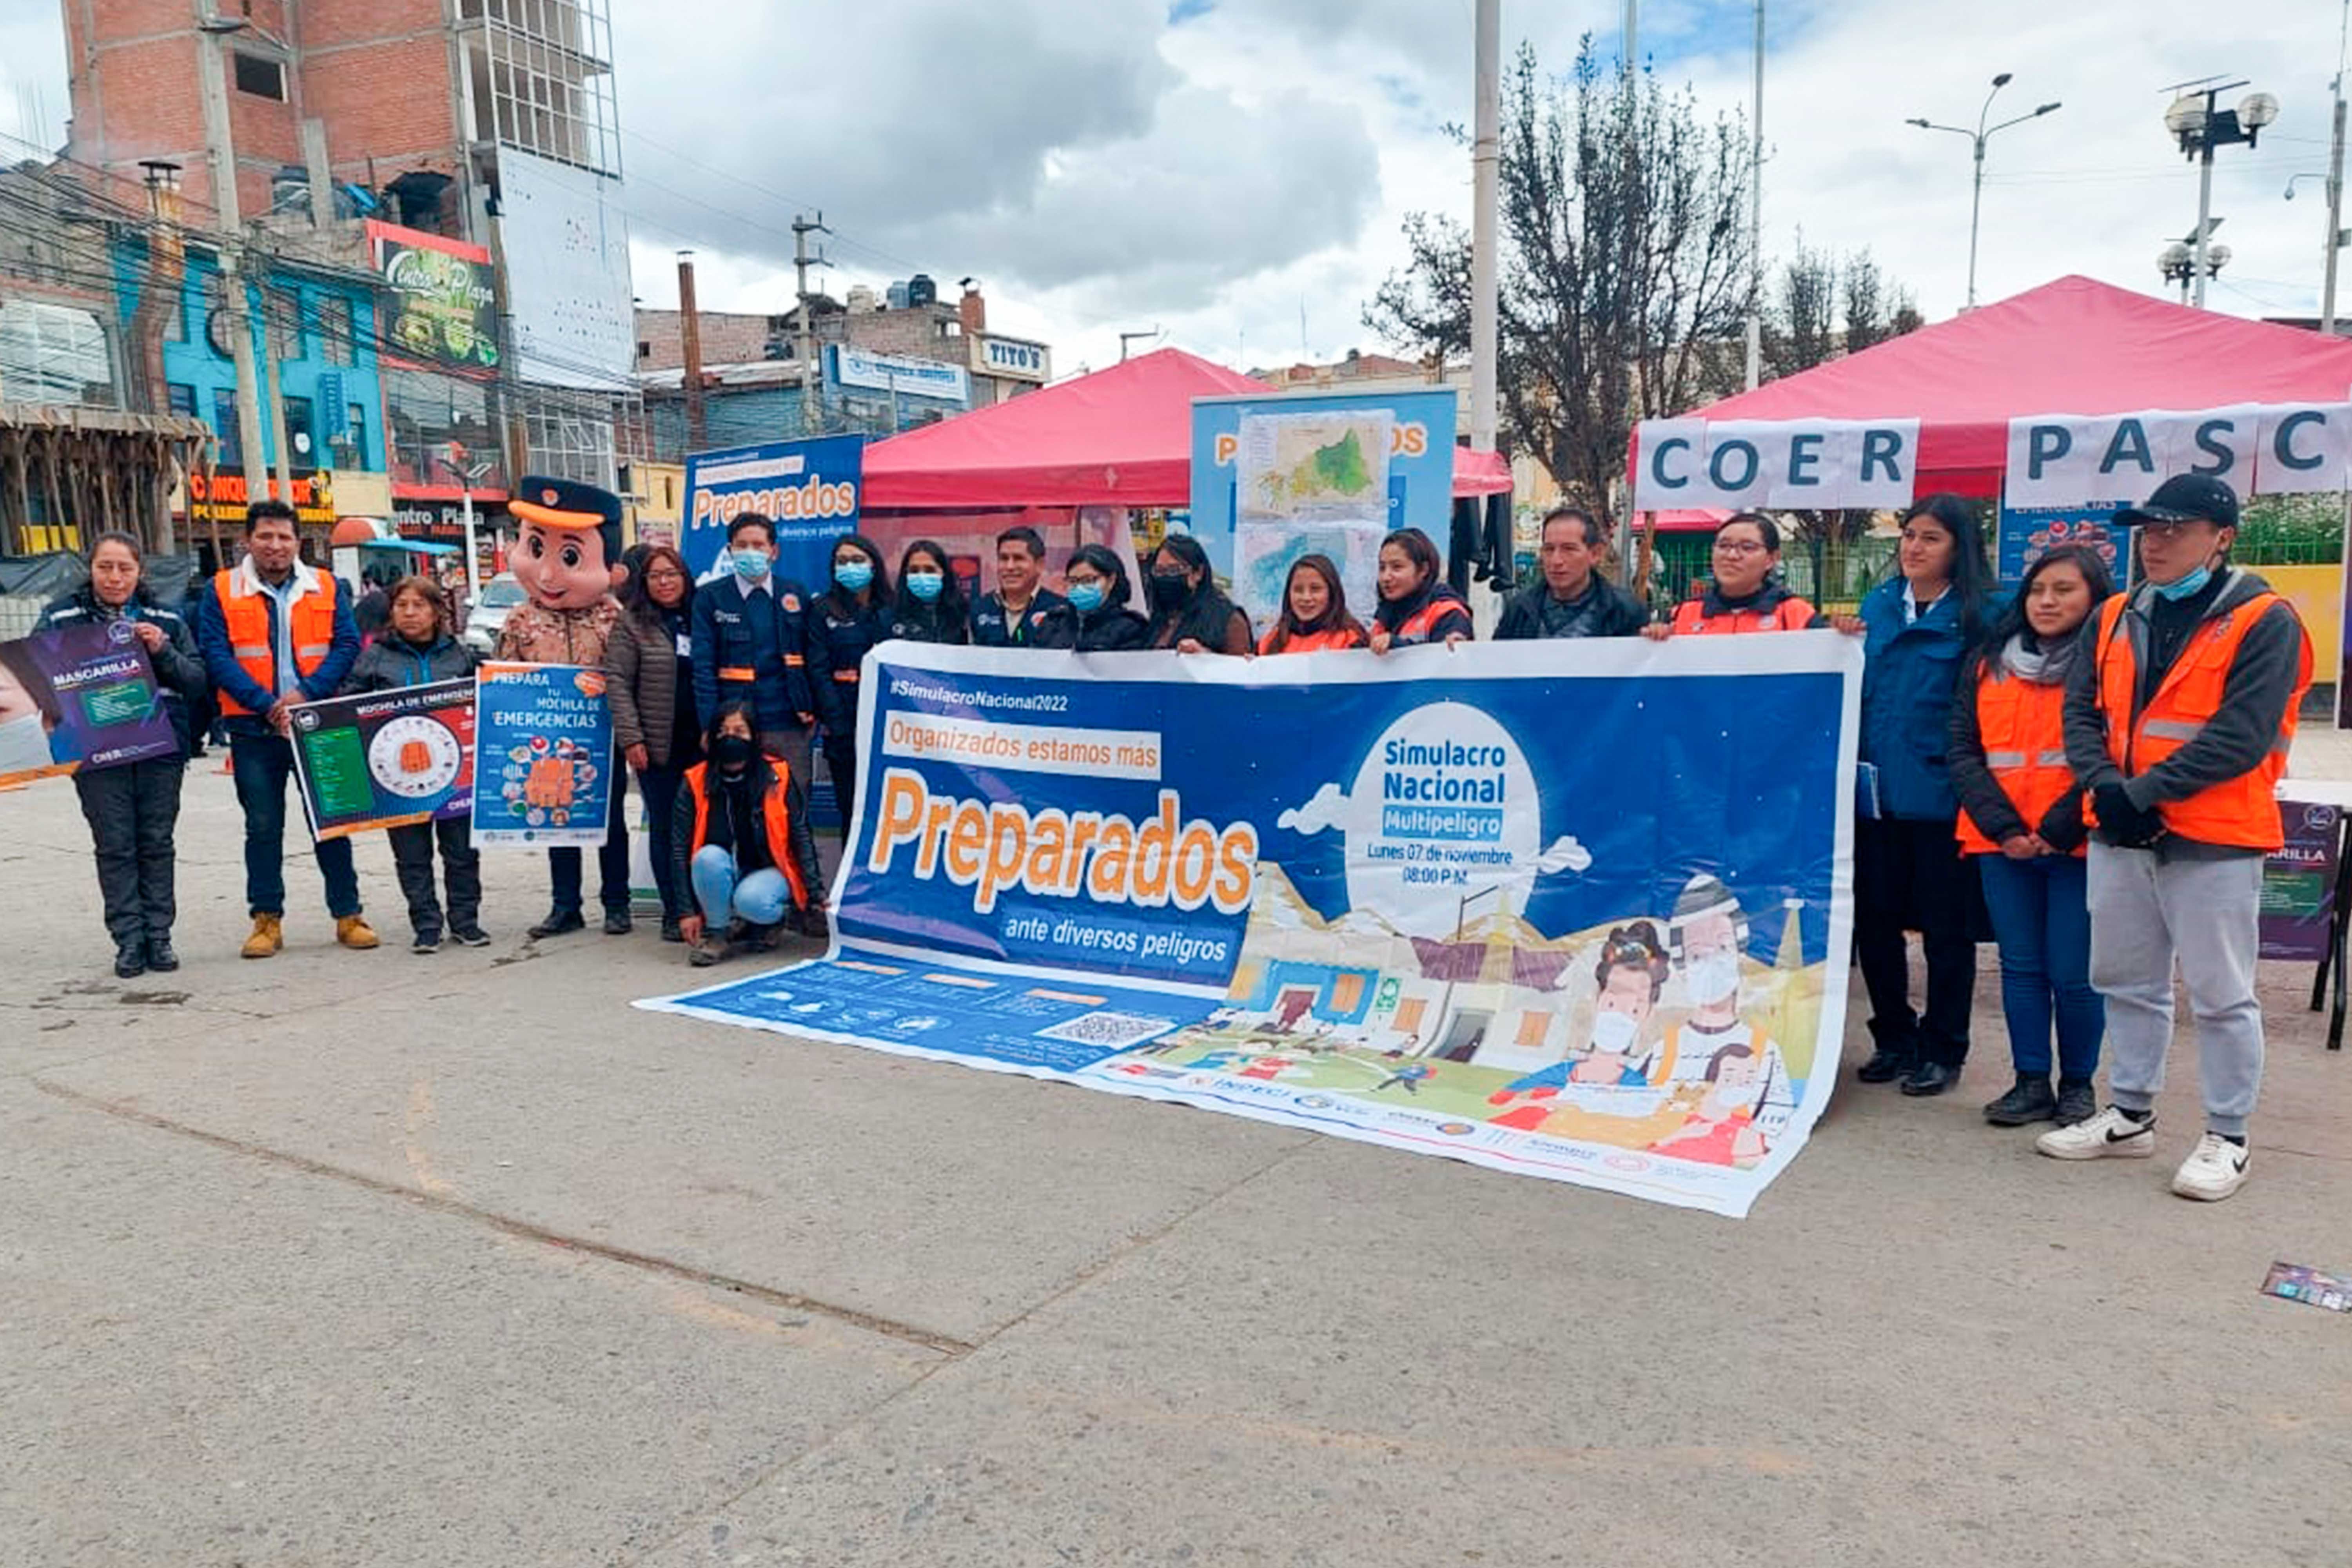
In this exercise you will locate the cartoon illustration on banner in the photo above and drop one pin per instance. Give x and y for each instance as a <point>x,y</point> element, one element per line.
<point>1608,954</point>
<point>542,751</point>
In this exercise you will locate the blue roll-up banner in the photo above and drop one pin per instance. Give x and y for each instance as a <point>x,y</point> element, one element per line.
<point>1577,911</point>
<point>543,768</point>
<point>809,490</point>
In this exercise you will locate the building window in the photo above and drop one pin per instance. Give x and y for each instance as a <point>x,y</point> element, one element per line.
<point>175,315</point>
<point>260,75</point>
<point>232,452</point>
<point>355,435</point>
<point>182,400</point>
<point>425,413</point>
<point>301,432</point>
<point>645,348</point>
<point>284,310</point>
<point>335,329</point>
<point>54,354</point>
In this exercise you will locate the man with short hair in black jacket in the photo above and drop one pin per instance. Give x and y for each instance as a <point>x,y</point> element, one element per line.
<point>1572,599</point>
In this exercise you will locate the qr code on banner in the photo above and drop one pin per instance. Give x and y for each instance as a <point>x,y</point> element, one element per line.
<point>1118,1030</point>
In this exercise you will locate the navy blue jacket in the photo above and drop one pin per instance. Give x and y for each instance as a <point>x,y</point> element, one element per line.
<point>754,648</point>
<point>230,677</point>
<point>179,668</point>
<point>991,627</point>
<point>1907,684</point>
<point>838,641</point>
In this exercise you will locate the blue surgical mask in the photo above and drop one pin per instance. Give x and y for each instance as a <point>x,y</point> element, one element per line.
<point>751,565</point>
<point>854,575</point>
<point>925,586</point>
<point>1086,597</point>
<point>2188,587</point>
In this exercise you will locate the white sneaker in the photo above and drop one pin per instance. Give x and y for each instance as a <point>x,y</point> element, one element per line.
<point>2214,1169</point>
<point>2110,1133</point>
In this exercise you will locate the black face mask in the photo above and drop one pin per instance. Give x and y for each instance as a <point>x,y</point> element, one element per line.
<point>1170,590</point>
<point>733,754</point>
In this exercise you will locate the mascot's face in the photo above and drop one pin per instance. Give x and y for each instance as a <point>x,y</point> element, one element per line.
<point>562,568</point>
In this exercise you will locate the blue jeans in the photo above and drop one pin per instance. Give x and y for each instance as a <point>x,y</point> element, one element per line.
<point>2041,914</point>
<point>760,899</point>
<point>263,764</point>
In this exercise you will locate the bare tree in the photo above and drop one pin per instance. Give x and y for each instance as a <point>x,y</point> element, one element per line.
<point>1624,266</point>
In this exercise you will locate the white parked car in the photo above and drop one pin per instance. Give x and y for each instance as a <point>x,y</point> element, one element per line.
<point>499,594</point>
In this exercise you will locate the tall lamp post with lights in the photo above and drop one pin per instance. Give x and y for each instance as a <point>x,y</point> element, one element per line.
<point>2193,259</point>
<point>1978,138</point>
<point>2199,125</point>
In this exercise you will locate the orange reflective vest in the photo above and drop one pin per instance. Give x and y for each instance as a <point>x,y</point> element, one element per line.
<point>2022,724</point>
<point>775,817</point>
<point>1789,614</point>
<point>245,610</point>
<point>1331,640</point>
<point>2243,811</point>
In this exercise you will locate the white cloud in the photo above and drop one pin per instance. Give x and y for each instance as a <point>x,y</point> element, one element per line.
<point>1565,855</point>
<point>1326,809</point>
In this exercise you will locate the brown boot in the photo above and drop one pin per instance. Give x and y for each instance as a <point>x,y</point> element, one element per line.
<point>354,932</point>
<point>266,940</point>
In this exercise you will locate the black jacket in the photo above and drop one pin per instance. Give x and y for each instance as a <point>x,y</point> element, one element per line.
<point>392,661</point>
<point>1605,611</point>
<point>940,621</point>
<point>838,637</point>
<point>1209,619</point>
<point>801,840</point>
<point>2234,741</point>
<point>1111,629</point>
<point>180,674</point>
<point>993,626</point>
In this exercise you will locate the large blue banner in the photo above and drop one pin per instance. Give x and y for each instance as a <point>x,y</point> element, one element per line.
<point>543,755</point>
<point>1573,910</point>
<point>2026,533</point>
<point>1274,477</point>
<point>809,489</point>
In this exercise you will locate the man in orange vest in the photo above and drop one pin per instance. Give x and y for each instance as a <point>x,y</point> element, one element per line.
<point>2179,711</point>
<point>274,632</point>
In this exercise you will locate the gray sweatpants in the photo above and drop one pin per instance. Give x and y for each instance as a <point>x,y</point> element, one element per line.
<point>2147,913</point>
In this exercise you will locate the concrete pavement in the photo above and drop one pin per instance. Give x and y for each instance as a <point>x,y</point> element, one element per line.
<point>373,1258</point>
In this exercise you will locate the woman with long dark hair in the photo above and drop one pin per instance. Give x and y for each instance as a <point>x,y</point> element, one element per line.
<point>929,605</point>
<point>133,808</point>
<point>2021,821</point>
<point>1908,872</point>
<point>1189,612</point>
<point>649,663</point>
<point>739,841</point>
<point>1315,616</point>
<point>1093,617</point>
<point>849,618</point>
<point>1416,606</point>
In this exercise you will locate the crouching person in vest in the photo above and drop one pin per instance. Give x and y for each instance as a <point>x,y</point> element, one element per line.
<point>274,632</point>
<point>741,835</point>
<point>2179,712</point>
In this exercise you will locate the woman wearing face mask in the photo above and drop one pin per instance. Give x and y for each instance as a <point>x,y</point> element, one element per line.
<point>1631,974</point>
<point>930,606</point>
<point>1416,606</point>
<point>1095,618</point>
<point>1908,872</point>
<point>1189,612</point>
<point>650,662</point>
<point>742,843</point>
<point>1315,616</point>
<point>132,809</point>
<point>850,617</point>
<point>2022,819</point>
<point>1743,592</point>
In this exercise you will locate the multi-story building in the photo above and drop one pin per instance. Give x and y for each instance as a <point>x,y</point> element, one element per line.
<point>488,126</point>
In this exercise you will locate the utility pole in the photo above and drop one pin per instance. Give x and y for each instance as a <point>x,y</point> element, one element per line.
<point>1755,219</point>
<point>689,334</point>
<point>802,261</point>
<point>2334,182</point>
<point>212,85</point>
<point>1630,27</point>
<point>1485,160</point>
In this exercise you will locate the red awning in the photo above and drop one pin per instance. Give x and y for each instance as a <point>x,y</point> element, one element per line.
<point>2073,346</point>
<point>1122,436</point>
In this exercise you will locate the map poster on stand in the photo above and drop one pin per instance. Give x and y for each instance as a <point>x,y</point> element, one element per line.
<point>386,759</point>
<point>542,756</point>
<point>1279,477</point>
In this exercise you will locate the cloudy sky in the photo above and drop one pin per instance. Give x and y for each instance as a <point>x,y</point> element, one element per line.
<point>1233,173</point>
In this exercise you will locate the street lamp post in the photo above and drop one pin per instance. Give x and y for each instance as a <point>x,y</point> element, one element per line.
<point>2199,125</point>
<point>2193,259</point>
<point>1978,138</point>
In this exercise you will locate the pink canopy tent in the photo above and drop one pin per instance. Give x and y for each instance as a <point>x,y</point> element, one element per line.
<point>1122,436</point>
<point>2072,346</point>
